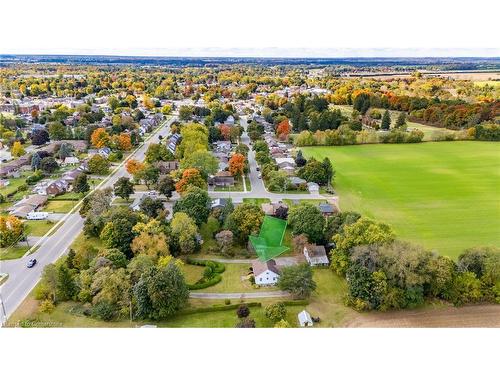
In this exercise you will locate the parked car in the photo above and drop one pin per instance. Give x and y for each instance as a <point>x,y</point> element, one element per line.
<point>260,175</point>
<point>152,194</point>
<point>31,263</point>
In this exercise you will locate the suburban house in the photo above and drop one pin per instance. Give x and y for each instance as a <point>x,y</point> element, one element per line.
<point>270,208</point>
<point>57,187</point>
<point>305,319</point>
<point>297,182</point>
<point>71,176</point>
<point>27,205</point>
<point>315,255</point>
<point>221,178</point>
<point>135,205</point>
<point>218,203</point>
<point>222,146</point>
<point>12,168</point>
<point>265,273</point>
<point>173,141</point>
<point>165,167</point>
<point>313,187</point>
<point>104,152</point>
<point>327,209</point>
<point>71,160</point>
<point>229,120</point>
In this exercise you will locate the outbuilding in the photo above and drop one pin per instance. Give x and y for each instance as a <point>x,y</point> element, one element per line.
<point>305,319</point>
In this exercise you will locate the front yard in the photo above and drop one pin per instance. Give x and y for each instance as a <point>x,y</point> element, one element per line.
<point>60,206</point>
<point>38,228</point>
<point>13,252</point>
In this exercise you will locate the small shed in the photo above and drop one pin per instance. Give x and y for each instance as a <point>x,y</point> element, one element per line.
<point>305,319</point>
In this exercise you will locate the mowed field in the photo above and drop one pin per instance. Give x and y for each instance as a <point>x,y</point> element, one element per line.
<point>442,195</point>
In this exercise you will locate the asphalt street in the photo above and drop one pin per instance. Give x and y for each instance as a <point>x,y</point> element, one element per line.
<point>22,279</point>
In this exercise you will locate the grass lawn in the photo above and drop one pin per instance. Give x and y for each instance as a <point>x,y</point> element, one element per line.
<point>327,301</point>
<point>68,196</point>
<point>232,281</point>
<point>442,195</point>
<point>59,206</point>
<point>257,201</point>
<point>14,183</point>
<point>38,227</point>
<point>66,314</point>
<point>192,273</point>
<point>296,202</point>
<point>13,252</point>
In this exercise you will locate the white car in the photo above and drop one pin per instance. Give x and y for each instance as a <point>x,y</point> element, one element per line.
<point>152,194</point>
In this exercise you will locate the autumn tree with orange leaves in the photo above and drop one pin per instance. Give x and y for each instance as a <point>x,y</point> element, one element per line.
<point>190,177</point>
<point>100,138</point>
<point>122,142</point>
<point>225,131</point>
<point>283,129</point>
<point>237,164</point>
<point>134,166</point>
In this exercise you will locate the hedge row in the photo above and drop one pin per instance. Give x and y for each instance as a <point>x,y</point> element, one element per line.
<point>297,302</point>
<point>216,266</point>
<point>205,284</point>
<point>218,308</point>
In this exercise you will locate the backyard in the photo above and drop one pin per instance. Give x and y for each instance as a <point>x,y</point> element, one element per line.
<point>442,195</point>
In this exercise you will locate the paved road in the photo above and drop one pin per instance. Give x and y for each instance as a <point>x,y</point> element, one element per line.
<point>270,294</point>
<point>22,280</point>
<point>258,189</point>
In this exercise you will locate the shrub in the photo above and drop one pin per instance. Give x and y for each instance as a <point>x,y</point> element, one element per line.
<point>104,310</point>
<point>282,324</point>
<point>246,323</point>
<point>47,306</point>
<point>276,312</point>
<point>227,301</point>
<point>243,311</point>
<point>42,291</point>
<point>218,308</point>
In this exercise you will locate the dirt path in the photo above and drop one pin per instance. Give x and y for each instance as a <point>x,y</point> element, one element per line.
<point>447,317</point>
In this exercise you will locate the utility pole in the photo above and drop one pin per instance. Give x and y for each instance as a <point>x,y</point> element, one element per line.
<point>3,320</point>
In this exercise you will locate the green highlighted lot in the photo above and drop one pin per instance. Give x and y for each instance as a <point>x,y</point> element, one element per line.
<point>442,195</point>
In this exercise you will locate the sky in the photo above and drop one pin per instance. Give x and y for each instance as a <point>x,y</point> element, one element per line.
<point>263,28</point>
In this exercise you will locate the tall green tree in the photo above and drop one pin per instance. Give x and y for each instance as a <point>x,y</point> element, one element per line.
<point>124,188</point>
<point>386,121</point>
<point>307,219</point>
<point>160,292</point>
<point>298,280</point>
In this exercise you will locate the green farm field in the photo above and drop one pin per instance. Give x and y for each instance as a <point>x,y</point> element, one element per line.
<point>441,195</point>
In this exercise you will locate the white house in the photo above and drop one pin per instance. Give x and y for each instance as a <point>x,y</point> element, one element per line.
<point>313,187</point>
<point>71,160</point>
<point>305,319</point>
<point>230,120</point>
<point>265,273</point>
<point>315,255</point>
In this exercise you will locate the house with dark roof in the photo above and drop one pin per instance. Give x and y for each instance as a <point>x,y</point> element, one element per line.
<point>315,255</point>
<point>327,209</point>
<point>165,167</point>
<point>221,178</point>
